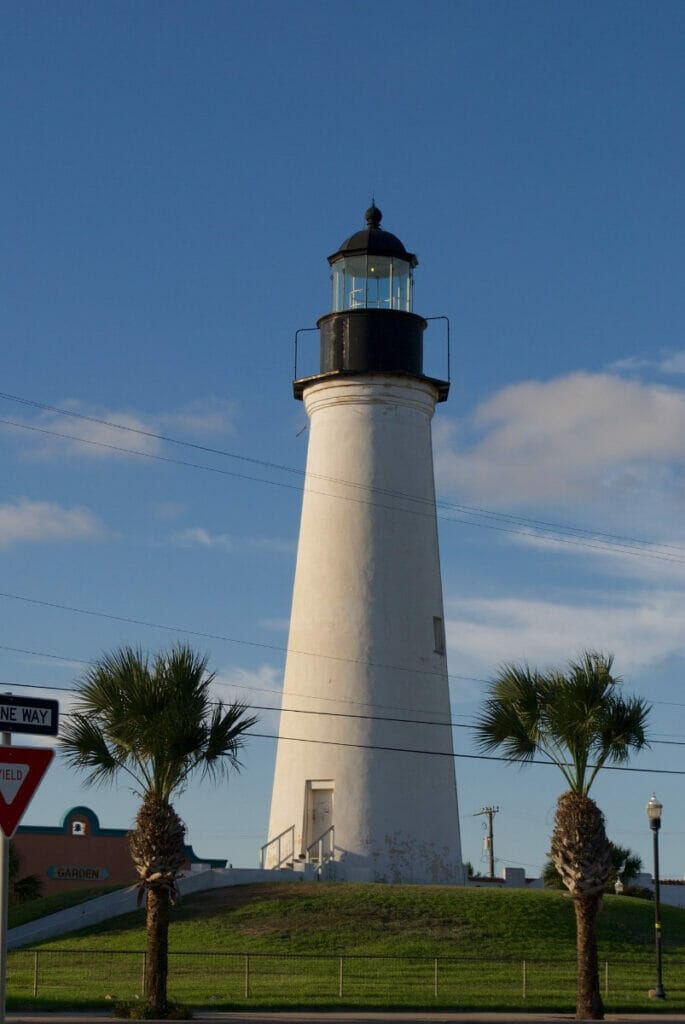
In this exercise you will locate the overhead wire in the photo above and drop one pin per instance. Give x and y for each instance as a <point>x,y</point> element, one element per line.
<point>310,711</point>
<point>561,533</point>
<point>440,753</point>
<point>647,550</point>
<point>266,689</point>
<point>329,714</point>
<point>222,637</point>
<point>626,545</point>
<point>475,510</point>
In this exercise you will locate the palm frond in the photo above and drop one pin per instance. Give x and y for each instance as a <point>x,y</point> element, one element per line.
<point>152,719</point>
<point>510,717</point>
<point>87,748</point>
<point>577,718</point>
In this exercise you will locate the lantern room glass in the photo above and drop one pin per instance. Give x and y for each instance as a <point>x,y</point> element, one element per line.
<point>371,282</point>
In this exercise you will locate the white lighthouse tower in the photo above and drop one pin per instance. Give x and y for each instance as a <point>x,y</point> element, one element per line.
<point>364,784</point>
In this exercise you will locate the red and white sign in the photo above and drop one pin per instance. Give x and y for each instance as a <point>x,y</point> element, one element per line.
<point>21,771</point>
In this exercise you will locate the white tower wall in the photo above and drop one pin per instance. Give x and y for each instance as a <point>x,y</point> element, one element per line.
<point>365,659</point>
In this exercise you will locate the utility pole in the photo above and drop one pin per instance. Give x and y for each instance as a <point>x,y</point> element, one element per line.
<point>489,841</point>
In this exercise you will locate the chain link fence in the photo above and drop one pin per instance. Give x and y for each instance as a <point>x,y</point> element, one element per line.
<point>256,979</point>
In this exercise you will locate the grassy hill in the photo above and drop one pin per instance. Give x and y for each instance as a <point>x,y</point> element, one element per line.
<point>496,949</point>
<point>391,920</point>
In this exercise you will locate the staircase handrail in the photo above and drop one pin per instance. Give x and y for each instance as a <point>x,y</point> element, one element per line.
<point>280,859</point>
<point>319,844</point>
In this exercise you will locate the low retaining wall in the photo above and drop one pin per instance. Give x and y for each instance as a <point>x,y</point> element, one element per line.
<point>123,901</point>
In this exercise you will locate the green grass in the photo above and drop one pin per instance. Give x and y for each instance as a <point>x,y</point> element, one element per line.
<point>283,944</point>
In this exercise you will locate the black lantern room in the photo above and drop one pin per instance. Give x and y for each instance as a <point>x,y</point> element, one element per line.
<point>371,328</point>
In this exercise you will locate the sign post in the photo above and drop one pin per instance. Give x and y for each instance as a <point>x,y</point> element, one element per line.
<point>21,770</point>
<point>6,738</point>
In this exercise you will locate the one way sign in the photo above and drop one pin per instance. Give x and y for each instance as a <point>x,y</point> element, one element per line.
<point>28,714</point>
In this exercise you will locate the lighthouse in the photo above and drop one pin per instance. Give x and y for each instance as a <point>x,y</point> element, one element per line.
<point>364,784</point>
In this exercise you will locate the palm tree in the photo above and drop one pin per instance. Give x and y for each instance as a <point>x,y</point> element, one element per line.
<point>623,864</point>
<point>22,889</point>
<point>579,721</point>
<point>153,723</point>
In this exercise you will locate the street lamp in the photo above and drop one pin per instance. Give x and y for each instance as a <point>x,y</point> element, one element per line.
<point>654,809</point>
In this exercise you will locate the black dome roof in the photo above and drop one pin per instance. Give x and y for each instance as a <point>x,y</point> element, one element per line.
<point>373,240</point>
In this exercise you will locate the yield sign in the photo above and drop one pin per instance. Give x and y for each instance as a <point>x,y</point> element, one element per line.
<point>21,770</point>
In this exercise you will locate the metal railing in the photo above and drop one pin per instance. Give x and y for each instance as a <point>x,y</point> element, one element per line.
<point>203,978</point>
<point>282,859</point>
<point>322,849</point>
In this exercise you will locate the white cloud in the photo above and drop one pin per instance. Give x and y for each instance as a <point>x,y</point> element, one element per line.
<point>198,536</point>
<point>275,625</point>
<point>675,363</point>
<point>642,629</point>
<point>266,678</point>
<point>203,416</point>
<point>41,522</point>
<point>114,433</point>
<point>284,547</point>
<point>261,686</point>
<point>631,364</point>
<point>166,511</point>
<point>571,440</point>
<point>50,435</point>
<point>669,363</point>
<point>655,561</point>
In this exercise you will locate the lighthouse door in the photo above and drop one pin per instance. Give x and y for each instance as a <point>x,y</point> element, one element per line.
<point>319,819</point>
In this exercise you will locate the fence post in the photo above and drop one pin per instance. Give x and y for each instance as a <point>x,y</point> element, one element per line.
<point>35,973</point>
<point>247,977</point>
<point>435,978</point>
<point>340,978</point>
<point>606,977</point>
<point>525,980</point>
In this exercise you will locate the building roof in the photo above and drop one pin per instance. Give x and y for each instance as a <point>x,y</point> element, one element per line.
<point>373,241</point>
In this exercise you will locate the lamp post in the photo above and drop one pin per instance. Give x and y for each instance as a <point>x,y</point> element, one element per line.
<point>654,809</point>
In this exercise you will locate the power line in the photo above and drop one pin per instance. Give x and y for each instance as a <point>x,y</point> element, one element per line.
<point>267,689</point>
<point>226,639</point>
<point>42,654</point>
<point>470,510</point>
<point>278,692</point>
<point>149,455</point>
<point>148,433</point>
<point>468,757</point>
<point>363,746</point>
<point>233,685</point>
<point>646,551</point>
<point>327,714</point>
<point>221,637</point>
<point>443,753</point>
<point>272,707</point>
<point>535,528</point>
<point>217,682</point>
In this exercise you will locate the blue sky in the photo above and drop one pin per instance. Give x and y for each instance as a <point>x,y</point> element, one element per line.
<point>174,177</point>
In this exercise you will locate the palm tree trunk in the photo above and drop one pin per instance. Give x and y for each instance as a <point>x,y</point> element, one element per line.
<point>157,927</point>
<point>589,1005</point>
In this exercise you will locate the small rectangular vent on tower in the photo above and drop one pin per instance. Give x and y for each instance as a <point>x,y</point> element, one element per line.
<point>438,635</point>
